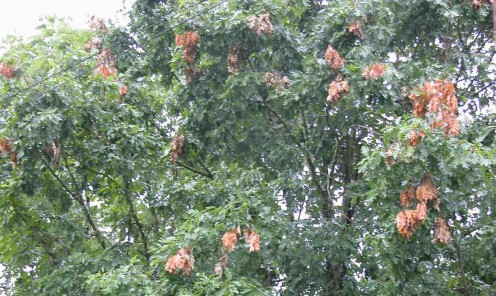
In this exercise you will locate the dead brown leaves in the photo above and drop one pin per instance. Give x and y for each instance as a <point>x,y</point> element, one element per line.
<point>426,190</point>
<point>407,196</point>
<point>7,149</point>
<point>183,260</point>
<point>189,41</point>
<point>54,151</point>
<point>409,220</point>
<point>415,137</point>
<point>230,239</point>
<point>123,90</point>
<point>279,81</point>
<point>261,25</point>
<point>337,89</point>
<point>437,98</point>
<point>442,233</point>
<point>339,86</point>
<point>252,239</point>
<point>333,59</point>
<point>7,71</point>
<point>97,25</point>
<point>106,64</point>
<point>235,60</point>
<point>374,71</point>
<point>178,146</point>
<point>356,29</point>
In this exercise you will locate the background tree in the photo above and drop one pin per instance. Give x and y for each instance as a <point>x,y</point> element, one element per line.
<point>240,147</point>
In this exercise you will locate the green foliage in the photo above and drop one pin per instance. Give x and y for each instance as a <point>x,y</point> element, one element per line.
<point>102,194</point>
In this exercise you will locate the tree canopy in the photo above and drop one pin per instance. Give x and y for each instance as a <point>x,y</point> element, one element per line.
<point>239,147</point>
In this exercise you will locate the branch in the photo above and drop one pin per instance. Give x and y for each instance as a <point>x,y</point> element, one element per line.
<point>494,18</point>
<point>313,173</point>
<point>328,122</point>
<point>80,200</point>
<point>279,118</point>
<point>159,129</point>
<point>70,173</point>
<point>108,177</point>
<point>460,37</point>
<point>460,268</point>
<point>36,232</point>
<point>138,223</point>
<point>330,175</point>
<point>308,157</point>
<point>207,174</point>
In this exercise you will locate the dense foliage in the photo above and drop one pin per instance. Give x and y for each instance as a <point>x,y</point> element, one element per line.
<point>287,147</point>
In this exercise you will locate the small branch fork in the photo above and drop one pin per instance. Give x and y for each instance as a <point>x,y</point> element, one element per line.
<point>324,192</point>
<point>78,197</point>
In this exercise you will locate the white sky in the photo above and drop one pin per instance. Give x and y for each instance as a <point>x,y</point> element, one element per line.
<point>21,17</point>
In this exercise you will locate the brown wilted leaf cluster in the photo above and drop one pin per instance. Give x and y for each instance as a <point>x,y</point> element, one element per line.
<point>439,99</point>
<point>407,196</point>
<point>97,25</point>
<point>337,89</point>
<point>374,71</point>
<point>235,60</point>
<point>189,41</point>
<point>409,220</point>
<point>478,3</point>
<point>261,25</point>
<point>230,239</point>
<point>106,64</point>
<point>356,29</point>
<point>333,59</point>
<point>221,264</point>
<point>274,79</point>
<point>105,71</point>
<point>426,190</point>
<point>123,90</point>
<point>7,71</point>
<point>415,137</point>
<point>54,151</point>
<point>389,157</point>
<point>7,148</point>
<point>192,73</point>
<point>106,60</point>
<point>183,260</point>
<point>177,147</point>
<point>252,239</point>
<point>442,233</point>
<point>94,43</point>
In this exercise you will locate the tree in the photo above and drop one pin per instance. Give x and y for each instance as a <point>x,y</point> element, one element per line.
<point>247,147</point>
